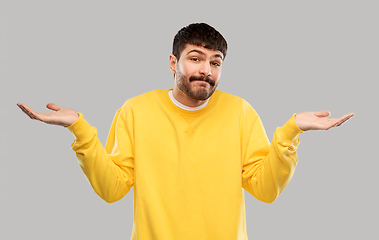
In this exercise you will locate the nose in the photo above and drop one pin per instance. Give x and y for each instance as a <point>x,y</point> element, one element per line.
<point>206,69</point>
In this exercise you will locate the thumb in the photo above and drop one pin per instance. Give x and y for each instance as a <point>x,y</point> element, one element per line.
<point>53,107</point>
<point>322,114</point>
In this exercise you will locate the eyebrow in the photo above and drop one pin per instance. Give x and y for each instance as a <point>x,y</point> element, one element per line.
<point>200,52</point>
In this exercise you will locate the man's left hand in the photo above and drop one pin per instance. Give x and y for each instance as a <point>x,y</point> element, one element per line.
<point>318,121</point>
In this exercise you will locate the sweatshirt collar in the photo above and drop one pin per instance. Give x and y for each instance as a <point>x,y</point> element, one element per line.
<point>195,112</point>
<point>184,107</point>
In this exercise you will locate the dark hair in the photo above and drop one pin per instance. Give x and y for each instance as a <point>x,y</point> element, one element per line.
<point>199,34</point>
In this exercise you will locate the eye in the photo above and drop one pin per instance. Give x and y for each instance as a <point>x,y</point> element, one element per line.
<point>195,59</point>
<point>216,64</point>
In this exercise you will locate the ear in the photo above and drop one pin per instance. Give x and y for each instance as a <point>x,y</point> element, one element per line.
<point>172,63</point>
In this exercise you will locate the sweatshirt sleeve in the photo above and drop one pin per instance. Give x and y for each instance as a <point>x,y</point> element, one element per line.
<point>268,168</point>
<point>109,170</point>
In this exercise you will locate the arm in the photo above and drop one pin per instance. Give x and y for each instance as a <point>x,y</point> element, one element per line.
<point>109,170</point>
<point>268,168</point>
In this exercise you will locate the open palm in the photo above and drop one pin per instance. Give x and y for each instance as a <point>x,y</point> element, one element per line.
<point>318,121</point>
<point>61,116</point>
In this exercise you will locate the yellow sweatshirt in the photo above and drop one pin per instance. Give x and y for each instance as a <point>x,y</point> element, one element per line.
<point>188,168</point>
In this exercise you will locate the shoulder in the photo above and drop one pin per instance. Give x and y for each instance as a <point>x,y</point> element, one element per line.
<point>227,100</point>
<point>144,101</point>
<point>145,97</point>
<point>148,96</point>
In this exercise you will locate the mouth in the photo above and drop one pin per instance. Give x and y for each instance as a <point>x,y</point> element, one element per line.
<point>201,83</point>
<point>204,80</point>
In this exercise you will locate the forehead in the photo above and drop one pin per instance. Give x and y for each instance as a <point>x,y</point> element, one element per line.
<point>193,49</point>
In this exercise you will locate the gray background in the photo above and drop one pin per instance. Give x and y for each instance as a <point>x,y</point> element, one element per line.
<point>284,57</point>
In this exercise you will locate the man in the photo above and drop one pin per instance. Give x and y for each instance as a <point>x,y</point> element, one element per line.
<point>188,151</point>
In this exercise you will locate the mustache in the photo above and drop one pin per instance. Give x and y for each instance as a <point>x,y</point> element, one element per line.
<point>205,79</point>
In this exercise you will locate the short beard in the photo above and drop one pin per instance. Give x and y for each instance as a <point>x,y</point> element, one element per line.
<point>185,87</point>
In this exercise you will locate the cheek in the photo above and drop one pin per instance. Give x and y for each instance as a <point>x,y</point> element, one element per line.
<point>183,70</point>
<point>217,74</point>
<point>189,69</point>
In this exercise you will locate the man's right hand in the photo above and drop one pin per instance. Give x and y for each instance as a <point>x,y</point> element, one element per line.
<point>62,116</point>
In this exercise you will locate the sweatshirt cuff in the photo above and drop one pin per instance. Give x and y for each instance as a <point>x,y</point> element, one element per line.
<point>81,129</point>
<point>290,130</point>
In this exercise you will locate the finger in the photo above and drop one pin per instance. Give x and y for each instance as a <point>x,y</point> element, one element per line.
<point>27,113</point>
<point>30,112</point>
<point>340,123</point>
<point>344,118</point>
<point>53,107</point>
<point>27,110</point>
<point>322,114</point>
<point>331,124</point>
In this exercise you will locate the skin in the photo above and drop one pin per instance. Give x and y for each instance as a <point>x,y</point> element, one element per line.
<point>200,63</point>
<point>61,116</point>
<point>197,62</point>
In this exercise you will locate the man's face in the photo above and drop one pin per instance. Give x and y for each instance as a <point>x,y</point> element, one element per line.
<point>198,71</point>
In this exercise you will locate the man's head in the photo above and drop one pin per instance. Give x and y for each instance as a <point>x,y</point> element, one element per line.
<point>198,53</point>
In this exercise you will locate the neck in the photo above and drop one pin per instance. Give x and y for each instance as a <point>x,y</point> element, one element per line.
<point>185,99</point>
